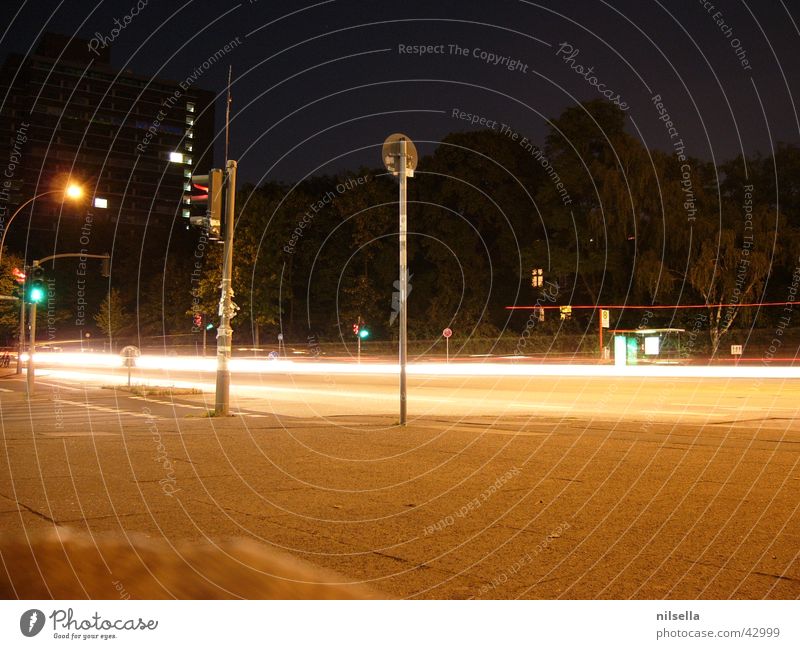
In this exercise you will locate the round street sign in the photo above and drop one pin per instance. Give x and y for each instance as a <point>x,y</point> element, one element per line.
<point>447,332</point>
<point>391,152</point>
<point>280,338</point>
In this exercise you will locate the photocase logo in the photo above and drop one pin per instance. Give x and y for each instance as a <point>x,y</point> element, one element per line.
<point>31,622</point>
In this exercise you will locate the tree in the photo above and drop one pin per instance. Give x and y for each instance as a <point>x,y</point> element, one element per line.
<point>9,310</point>
<point>111,318</point>
<point>724,273</point>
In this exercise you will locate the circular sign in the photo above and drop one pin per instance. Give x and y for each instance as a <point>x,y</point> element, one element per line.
<point>392,149</point>
<point>447,332</point>
<point>280,338</point>
<point>130,352</point>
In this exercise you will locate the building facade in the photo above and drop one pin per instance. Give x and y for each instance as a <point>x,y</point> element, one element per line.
<point>130,141</point>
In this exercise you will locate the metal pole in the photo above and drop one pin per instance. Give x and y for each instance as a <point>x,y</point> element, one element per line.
<point>31,351</point>
<point>358,339</point>
<point>204,337</point>
<point>226,307</point>
<point>21,347</point>
<point>403,282</point>
<point>601,334</point>
<point>447,347</point>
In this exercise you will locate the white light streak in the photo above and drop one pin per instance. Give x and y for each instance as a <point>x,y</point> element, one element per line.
<point>264,366</point>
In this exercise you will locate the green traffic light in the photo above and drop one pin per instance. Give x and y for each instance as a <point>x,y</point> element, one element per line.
<point>36,294</point>
<point>209,326</point>
<point>363,333</point>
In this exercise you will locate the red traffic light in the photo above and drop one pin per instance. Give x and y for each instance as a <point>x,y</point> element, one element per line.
<point>19,276</point>
<point>355,329</point>
<point>198,320</point>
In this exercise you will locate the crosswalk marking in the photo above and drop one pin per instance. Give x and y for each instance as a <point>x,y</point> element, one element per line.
<point>111,410</point>
<point>173,404</point>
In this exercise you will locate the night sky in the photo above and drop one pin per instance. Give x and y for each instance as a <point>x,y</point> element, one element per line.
<point>318,86</point>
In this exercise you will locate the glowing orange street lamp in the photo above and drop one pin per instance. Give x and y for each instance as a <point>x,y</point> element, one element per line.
<point>74,191</point>
<point>71,191</point>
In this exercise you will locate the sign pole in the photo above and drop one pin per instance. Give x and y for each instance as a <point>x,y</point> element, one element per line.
<point>403,280</point>
<point>400,158</point>
<point>601,335</point>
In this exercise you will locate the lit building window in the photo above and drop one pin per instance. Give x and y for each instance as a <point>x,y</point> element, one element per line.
<point>102,203</point>
<point>188,146</point>
<point>175,156</point>
<point>190,120</point>
<point>537,277</point>
<point>187,213</point>
<point>187,199</point>
<point>189,133</point>
<point>190,107</point>
<point>187,187</point>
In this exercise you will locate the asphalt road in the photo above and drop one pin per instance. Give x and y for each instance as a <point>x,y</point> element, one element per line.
<point>499,487</point>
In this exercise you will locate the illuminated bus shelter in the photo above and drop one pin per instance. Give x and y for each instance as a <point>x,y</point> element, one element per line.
<point>634,346</point>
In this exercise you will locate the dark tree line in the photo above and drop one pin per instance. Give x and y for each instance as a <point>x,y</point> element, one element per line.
<point>607,220</point>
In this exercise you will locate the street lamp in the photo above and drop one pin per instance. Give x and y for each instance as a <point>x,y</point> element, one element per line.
<point>71,191</point>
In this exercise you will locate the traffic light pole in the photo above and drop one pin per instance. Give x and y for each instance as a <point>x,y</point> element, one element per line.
<point>21,346</point>
<point>32,349</point>
<point>403,281</point>
<point>31,379</point>
<point>227,309</point>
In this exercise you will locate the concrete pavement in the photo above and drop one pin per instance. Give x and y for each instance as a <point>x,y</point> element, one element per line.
<point>535,504</point>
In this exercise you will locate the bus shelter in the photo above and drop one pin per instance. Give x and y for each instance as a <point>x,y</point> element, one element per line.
<point>635,346</point>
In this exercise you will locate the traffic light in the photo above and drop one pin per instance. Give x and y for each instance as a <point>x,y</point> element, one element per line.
<point>19,276</point>
<point>206,205</point>
<point>355,328</point>
<point>209,326</point>
<point>363,332</point>
<point>36,290</point>
<point>198,320</point>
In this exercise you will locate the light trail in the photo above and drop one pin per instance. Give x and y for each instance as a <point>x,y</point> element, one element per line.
<point>168,364</point>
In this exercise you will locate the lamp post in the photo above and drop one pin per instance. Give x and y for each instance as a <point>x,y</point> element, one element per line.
<point>73,192</point>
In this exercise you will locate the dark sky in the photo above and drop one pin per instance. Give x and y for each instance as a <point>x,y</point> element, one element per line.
<point>319,85</point>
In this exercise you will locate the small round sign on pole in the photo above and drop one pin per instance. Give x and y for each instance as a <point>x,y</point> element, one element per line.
<point>129,355</point>
<point>447,333</point>
<point>391,152</point>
